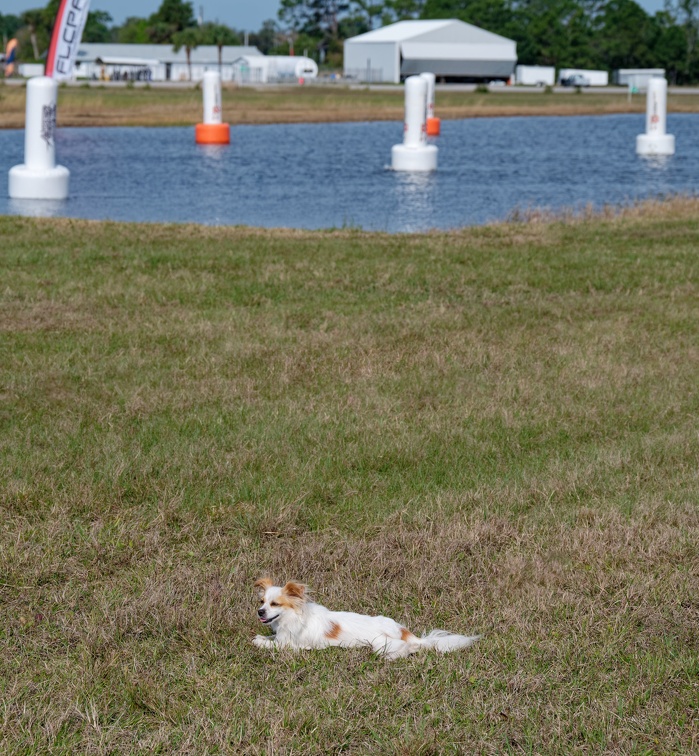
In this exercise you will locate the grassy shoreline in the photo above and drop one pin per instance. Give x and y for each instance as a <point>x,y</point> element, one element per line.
<point>490,430</point>
<point>109,106</point>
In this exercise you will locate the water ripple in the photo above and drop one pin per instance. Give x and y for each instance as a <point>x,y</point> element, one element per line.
<point>335,175</point>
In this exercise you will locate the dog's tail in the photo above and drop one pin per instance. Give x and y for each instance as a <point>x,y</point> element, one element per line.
<point>443,641</point>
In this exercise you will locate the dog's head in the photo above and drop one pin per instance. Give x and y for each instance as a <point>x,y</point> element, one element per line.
<point>275,601</point>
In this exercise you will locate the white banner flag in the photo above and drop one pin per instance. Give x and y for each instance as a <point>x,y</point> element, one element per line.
<point>67,33</point>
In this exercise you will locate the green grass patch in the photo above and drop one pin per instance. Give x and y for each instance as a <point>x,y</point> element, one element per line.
<point>492,431</point>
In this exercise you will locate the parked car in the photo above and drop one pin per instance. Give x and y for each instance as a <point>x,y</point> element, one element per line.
<point>576,80</point>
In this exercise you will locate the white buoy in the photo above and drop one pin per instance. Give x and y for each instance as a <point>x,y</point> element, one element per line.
<point>655,141</point>
<point>39,177</point>
<point>414,154</point>
<point>212,131</point>
<point>433,124</point>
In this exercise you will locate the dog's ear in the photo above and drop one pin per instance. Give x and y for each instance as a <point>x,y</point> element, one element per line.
<point>295,590</point>
<point>263,584</point>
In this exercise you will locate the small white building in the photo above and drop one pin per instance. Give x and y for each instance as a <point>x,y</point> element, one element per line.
<point>535,76</point>
<point>29,70</point>
<point>637,78</point>
<point>155,62</point>
<point>266,69</point>
<point>450,49</point>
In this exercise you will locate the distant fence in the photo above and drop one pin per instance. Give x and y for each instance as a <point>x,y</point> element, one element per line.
<point>245,75</point>
<point>366,74</point>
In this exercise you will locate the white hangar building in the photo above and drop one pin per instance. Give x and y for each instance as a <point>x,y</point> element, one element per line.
<point>450,49</point>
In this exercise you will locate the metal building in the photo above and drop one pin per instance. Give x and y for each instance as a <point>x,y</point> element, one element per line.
<point>451,49</point>
<point>124,62</point>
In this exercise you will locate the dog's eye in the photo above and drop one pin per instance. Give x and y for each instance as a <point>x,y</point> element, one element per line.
<point>273,603</point>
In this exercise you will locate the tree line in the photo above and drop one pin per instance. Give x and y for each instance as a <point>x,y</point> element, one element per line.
<point>560,33</point>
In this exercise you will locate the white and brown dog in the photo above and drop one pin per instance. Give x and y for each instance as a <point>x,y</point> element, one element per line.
<point>299,623</point>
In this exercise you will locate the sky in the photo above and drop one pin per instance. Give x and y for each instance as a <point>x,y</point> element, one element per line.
<point>239,14</point>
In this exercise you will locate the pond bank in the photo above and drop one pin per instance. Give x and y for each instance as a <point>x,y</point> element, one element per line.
<point>165,106</point>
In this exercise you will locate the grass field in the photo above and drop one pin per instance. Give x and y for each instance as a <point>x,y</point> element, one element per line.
<point>492,431</point>
<point>122,106</point>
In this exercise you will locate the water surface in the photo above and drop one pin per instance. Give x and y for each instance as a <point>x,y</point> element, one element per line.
<point>338,175</point>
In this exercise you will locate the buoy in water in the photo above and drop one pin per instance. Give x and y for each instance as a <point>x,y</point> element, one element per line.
<point>414,154</point>
<point>433,124</point>
<point>655,141</point>
<point>212,130</point>
<point>39,177</point>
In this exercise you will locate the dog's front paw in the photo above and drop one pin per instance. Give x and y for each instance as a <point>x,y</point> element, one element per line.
<point>262,641</point>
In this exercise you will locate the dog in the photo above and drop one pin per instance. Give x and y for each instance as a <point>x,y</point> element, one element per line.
<point>299,623</point>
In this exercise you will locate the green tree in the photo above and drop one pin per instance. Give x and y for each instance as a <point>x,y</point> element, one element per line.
<point>366,14</point>
<point>219,35</point>
<point>9,25</point>
<point>34,21</point>
<point>493,15</point>
<point>189,39</point>
<point>314,17</point>
<point>133,32</point>
<point>686,13</point>
<point>351,26</point>
<point>306,44</point>
<point>171,17</point>
<point>669,47</point>
<point>40,23</point>
<point>266,39</point>
<point>402,10</point>
<point>175,13</point>
<point>624,35</point>
<point>552,33</point>
<point>160,33</point>
<point>97,27</point>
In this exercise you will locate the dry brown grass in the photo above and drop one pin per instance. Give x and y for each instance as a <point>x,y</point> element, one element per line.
<point>589,632</point>
<point>97,106</point>
<point>491,430</point>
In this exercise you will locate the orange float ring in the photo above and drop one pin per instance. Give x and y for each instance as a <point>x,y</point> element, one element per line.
<point>212,133</point>
<point>433,126</point>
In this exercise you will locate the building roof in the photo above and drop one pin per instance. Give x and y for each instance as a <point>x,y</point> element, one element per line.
<point>116,61</point>
<point>205,54</point>
<point>451,31</point>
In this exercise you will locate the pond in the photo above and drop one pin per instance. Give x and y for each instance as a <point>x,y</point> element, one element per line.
<point>338,175</point>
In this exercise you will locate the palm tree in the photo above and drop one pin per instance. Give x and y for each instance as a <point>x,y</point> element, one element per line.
<point>34,20</point>
<point>219,35</point>
<point>188,38</point>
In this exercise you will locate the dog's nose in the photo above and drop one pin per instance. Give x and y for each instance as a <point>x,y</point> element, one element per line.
<point>261,612</point>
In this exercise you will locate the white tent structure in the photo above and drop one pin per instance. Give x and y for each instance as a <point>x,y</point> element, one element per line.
<point>450,49</point>
<point>265,69</point>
